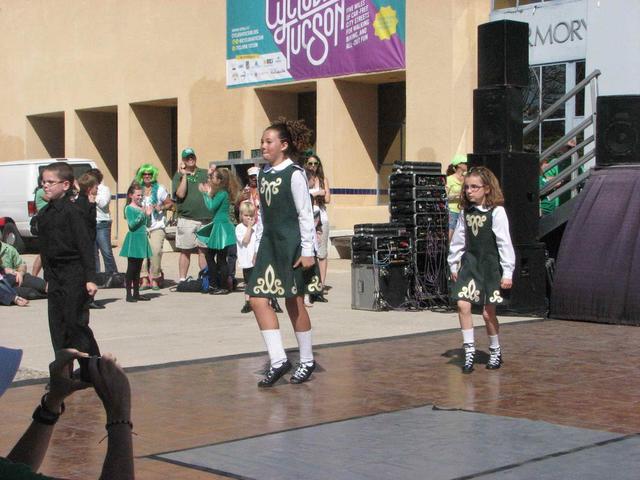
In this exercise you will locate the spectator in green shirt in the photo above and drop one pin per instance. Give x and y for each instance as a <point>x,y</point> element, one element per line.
<point>14,269</point>
<point>192,212</point>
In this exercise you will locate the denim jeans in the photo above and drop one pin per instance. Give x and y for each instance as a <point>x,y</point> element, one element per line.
<point>7,292</point>
<point>103,243</point>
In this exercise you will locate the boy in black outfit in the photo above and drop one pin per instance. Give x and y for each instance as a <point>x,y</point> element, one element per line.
<point>68,260</point>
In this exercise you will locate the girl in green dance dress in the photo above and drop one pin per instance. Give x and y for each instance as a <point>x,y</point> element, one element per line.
<point>285,263</point>
<point>481,259</point>
<point>220,234</point>
<point>136,244</point>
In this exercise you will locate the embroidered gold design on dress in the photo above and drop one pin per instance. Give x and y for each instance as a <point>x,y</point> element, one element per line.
<point>476,222</point>
<point>269,284</point>
<point>269,188</point>
<point>315,285</point>
<point>470,291</point>
<point>496,297</point>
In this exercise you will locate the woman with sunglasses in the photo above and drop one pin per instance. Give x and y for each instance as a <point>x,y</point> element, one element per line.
<point>321,193</point>
<point>157,197</point>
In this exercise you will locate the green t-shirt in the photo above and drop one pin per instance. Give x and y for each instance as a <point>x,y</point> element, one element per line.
<point>454,188</point>
<point>547,206</point>
<point>9,256</point>
<point>192,205</point>
<point>40,201</point>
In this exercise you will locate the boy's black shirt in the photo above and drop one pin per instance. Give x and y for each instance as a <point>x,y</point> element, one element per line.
<point>64,237</point>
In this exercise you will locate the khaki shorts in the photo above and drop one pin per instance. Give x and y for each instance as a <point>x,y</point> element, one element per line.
<point>186,234</point>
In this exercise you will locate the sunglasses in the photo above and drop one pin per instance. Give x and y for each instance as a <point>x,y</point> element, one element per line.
<point>313,162</point>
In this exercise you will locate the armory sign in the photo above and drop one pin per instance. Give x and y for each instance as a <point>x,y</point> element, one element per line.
<point>557,31</point>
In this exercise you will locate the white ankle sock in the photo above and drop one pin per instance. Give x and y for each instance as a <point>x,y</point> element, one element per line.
<point>306,346</point>
<point>273,341</point>
<point>493,341</point>
<point>467,336</point>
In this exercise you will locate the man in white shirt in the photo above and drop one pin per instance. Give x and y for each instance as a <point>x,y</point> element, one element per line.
<point>103,225</point>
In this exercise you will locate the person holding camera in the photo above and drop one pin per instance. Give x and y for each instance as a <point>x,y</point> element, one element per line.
<point>192,212</point>
<point>112,386</point>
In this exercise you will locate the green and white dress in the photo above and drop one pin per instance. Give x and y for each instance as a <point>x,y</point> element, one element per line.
<point>136,242</point>
<point>288,229</point>
<point>482,254</point>
<point>220,232</point>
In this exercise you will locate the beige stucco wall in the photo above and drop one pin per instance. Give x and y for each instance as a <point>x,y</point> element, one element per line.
<point>123,64</point>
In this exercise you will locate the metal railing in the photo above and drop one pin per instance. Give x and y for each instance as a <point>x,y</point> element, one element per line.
<point>570,178</point>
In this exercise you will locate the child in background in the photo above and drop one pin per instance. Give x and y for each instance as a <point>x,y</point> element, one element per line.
<point>86,200</point>
<point>136,247</point>
<point>481,259</point>
<point>285,263</point>
<point>248,233</point>
<point>218,235</point>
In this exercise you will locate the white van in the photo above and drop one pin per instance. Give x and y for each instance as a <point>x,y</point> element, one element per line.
<point>18,182</point>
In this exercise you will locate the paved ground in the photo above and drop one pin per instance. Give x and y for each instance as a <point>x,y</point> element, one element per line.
<point>570,374</point>
<point>186,326</point>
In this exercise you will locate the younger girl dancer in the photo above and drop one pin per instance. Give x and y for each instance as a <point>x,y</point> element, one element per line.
<point>136,244</point>
<point>481,259</point>
<point>285,264</point>
<point>220,234</point>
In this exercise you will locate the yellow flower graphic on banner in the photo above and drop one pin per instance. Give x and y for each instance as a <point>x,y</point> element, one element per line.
<point>386,23</point>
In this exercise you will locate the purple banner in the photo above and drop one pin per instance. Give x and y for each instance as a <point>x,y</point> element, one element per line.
<point>315,38</point>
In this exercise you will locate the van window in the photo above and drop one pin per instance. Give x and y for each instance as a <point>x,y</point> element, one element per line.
<point>78,169</point>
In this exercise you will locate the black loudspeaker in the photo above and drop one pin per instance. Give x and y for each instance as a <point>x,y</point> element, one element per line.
<point>497,119</point>
<point>618,130</point>
<point>528,295</point>
<point>518,176</point>
<point>503,54</point>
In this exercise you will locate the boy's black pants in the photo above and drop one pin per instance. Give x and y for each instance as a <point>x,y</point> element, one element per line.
<point>68,308</point>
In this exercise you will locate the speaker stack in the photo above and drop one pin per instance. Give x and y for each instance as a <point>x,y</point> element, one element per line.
<point>380,266</point>
<point>418,201</point>
<point>503,72</point>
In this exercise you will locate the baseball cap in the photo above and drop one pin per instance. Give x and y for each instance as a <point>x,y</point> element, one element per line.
<point>253,171</point>
<point>9,363</point>
<point>188,152</point>
<point>458,159</point>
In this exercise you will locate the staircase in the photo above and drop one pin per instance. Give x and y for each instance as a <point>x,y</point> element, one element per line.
<point>572,176</point>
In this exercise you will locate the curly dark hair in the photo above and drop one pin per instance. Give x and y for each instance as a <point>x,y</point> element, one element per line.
<point>295,133</point>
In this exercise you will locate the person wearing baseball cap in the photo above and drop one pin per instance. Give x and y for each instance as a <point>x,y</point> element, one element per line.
<point>111,385</point>
<point>454,188</point>
<point>250,191</point>
<point>192,212</point>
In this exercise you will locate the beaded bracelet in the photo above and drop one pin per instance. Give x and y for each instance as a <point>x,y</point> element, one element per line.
<point>119,422</point>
